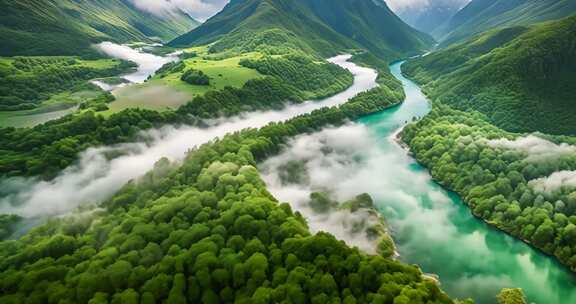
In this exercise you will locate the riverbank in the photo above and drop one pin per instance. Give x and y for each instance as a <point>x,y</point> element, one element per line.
<point>434,228</point>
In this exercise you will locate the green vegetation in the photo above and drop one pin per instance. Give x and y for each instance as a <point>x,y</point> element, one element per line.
<point>323,27</point>
<point>484,15</point>
<point>8,223</point>
<point>46,149</point>
<point>389,87</point>
<point>69,27</point>
<point>28,82</point>
<point>523,79</point>
<point>314,79</point>
<point>511,296</point>
<point>166,90</point>
<point>206,231</point>
<point>464,152</point>
<point>99,103</point>
<point>195,77</point>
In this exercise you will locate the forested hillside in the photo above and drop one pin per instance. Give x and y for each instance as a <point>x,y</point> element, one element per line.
<point>316,25</point>
<point>522,78</point>
<point>48,148</point>
<point>206,231</point>
<point>27,81</point>
<point>69,27</point>
<point>484,15</point>
<point>518,183</point>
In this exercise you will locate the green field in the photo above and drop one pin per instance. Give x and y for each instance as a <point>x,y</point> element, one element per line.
<point>171,92</point>
<point>50,86</point>
<point>29,118</point>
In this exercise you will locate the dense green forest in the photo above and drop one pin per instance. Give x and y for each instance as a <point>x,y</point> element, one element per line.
<point>26,82</point>
<point>522,78</point>
<point>484,15</point>
<point>208,231</point>
<point>322,26</point>
<point>69,27</point>
<point>48,148</point>
<point>501,179</point>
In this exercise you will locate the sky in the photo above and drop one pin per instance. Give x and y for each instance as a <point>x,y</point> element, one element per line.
<point>204,9</point>
<point>198,9</point>
<point>399,6</point>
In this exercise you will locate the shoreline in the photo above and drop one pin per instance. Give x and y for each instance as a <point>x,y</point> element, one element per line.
<point>396,138</point>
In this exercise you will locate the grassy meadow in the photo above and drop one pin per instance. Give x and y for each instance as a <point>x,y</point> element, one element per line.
<point>170,92</point>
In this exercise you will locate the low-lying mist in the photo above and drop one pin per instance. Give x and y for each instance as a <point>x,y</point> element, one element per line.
<point>426,222</point>
<point>147,63</point>
<point>535,148</point>
<point>346,162</point>
<point>96,177</point>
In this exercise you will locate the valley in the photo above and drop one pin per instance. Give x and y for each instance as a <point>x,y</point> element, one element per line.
<point>306,151</point>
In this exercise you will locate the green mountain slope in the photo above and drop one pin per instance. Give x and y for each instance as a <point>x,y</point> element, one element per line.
<point>316,25</point>
<point>427,18</point>
<point>522,78</point>
<point>68,27</point>
<point>483,15</point>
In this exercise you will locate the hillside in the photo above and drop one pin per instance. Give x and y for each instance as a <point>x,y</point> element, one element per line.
<point>521,78</point>
<point>483,15</point>
<point>321,26</point>
<point>68,27</point>
<point>428,18</point>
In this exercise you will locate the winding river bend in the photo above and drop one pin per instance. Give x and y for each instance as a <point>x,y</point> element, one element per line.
<point>96,177</point>
<point>431,226</point>
<point>439,233</point>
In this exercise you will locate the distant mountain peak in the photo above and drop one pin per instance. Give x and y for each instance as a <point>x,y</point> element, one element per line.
<point>325,26</point>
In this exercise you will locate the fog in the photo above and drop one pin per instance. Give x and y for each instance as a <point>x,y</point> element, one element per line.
<point>346,162</point>
<point>400,6</point>
<point>95,177</point>
<point>147,63</point>
<point>198,9</point>
<point>430,228</point>
<point>330,158</point>
<point>535,148</point>
<point>557,181</point>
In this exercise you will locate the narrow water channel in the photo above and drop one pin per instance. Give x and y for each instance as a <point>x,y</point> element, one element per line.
<point>431,226</point>
<point>440,234</point>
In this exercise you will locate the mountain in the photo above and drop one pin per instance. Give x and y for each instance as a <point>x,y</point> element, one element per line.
<point>323,26</point>
<point>68,27</point>
<point>429,17</point>
<point>482,15</point>
<point>522,78</point>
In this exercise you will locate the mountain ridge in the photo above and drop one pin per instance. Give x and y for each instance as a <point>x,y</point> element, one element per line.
<point>482,15</point>
<point>323,26</point>
<point>69,27</point>
<point>521,78</point>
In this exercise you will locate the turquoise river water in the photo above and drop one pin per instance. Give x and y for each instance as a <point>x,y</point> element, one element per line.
<point>437,231</point>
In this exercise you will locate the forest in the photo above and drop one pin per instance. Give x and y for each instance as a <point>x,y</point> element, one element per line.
<point>521,78</point>
<point>25,82</point>
<point>503,176</point>
<point>209,231</point>
<point>46,149</point>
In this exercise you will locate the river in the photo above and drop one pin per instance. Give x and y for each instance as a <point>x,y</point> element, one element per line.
<point>431,226</point>
<point>96,177</point>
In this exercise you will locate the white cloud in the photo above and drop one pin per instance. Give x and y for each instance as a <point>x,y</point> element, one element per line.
<point>198,9</point>
<point>96,177</point>
<point>535,148</point>
<point>555,182</point>
<point>399,6</point>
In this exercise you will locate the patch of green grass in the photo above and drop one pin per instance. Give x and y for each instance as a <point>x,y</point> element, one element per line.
<point>171,92</point>
<point>30,118</point>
